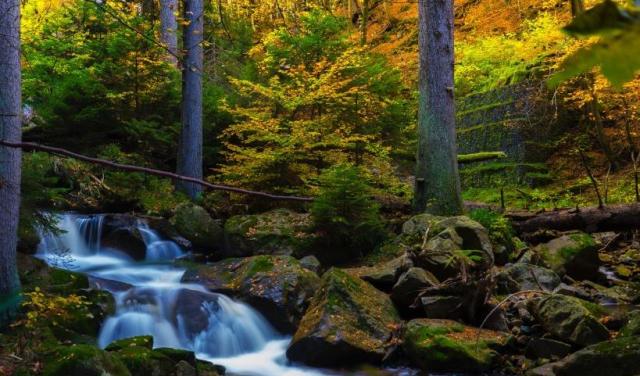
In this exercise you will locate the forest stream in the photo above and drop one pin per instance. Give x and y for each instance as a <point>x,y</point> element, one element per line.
<point>149,297</point>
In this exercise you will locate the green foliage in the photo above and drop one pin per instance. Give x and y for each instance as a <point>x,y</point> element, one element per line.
<point>319,100</point>
<point>344,215</point>
<point>615,53</point>
<point>481,156</point>
<point>499,227</point>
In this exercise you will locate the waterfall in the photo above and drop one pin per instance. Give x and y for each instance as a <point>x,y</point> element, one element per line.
<point>156,303</point>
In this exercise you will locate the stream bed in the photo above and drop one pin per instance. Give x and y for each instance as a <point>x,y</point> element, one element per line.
<point>151,300</point>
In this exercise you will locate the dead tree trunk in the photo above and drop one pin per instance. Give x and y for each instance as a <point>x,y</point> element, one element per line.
<point>10,123</point>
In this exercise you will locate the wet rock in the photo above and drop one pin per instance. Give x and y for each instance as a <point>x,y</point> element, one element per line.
<point>521,277</point>
<point>196,225</point>
<point>277,232</point>
<point>84,360</point>
<point>141,341</point>
<point>442,307</point>
<point>447,346</point>
<point>547,348</point>
<point>409,286</point>
<point>311,263</point>
<point>277,286</point>
<point>121,232</point>
<point>192,310</point>
<point>575,255</point>
<point>348,322</point>
<point>385,275</point>
<point>617,357</point>
<point>569,319</point>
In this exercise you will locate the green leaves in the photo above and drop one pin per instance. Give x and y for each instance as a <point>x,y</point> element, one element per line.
<point>616,53</point>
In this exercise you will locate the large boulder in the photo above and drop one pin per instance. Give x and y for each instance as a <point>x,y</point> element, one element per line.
<point>618,357</point>
<point>450,240</point>
<point>384,275</point>
<point>84,360</point>
<point>349,321</point>
<point>409,286</point>
<point>522,276</point>
<point>574,254</point>
<point>122,232</point>
<point>448,346</point>
<point>277,286</point>
<point>277,232</point>
<point>570,319</point>
<point>632,327</point>
<point>196,225</point>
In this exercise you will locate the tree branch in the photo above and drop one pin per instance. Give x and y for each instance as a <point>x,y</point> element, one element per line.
<point>146,170</point>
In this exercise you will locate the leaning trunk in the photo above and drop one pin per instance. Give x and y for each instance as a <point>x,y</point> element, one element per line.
<point>169,28</point>
<point>437,188</point>
<point>190,148</point>
<point>10,122</point>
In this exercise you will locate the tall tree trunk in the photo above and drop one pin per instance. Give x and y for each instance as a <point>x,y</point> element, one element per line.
<point>364,22</point>
<point>169,28</point>
<point>10,123</point>
<point>190,148</point>
<point>437,188</point>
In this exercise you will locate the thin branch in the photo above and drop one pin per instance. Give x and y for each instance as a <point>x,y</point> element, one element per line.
<point>150,171</point>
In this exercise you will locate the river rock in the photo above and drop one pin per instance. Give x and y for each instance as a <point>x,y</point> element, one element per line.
<point>121,232</point>
<point>569,319</point>
<point>547,348</point>
<point>196,225</point>
<point>349,321</point>
<point>277,232</point>
<point>409,286</point>
<point>277,286</point>
<point>192,310</point>
<point>617,357</point>
<point>521,277</point>
<point>574,254</point>
<point>448,346</point>
<point>442,307</point>
<point>384,275</point>
<point>632,327</point>
<point>84,360</point>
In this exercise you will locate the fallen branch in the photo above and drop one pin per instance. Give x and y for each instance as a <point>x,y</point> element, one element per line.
<point>145,170</point>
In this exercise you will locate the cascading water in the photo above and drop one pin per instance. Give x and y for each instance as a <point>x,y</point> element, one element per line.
<point>150,300</point>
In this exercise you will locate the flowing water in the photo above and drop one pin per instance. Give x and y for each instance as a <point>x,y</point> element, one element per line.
<point>151,300</point>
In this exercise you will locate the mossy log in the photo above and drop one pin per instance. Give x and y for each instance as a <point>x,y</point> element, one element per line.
<point>592,219</point>
<point>481,156</point>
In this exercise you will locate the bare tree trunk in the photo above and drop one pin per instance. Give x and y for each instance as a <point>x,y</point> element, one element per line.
<point>364,22</point>
<point>437,188</point>
<point>169,28</point>
<point>190,148</point>
<point>10,130</point>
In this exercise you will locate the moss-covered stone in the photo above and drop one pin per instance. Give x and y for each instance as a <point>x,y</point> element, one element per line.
<point>617,357</point>
<point>278,286</point>
<point>447,346</point>
<point>196,225</point>
<point>36,273</point>
<point>348,321</point>
<point>570,319</point>
<point>141,341</point>
<point>277,232</point>
<point>84,360</point>
<point>575,255</point>
<point>385,274</point>
<point>632,327</point>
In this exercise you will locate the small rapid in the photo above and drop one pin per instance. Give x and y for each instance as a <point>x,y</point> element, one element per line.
<point>151,300</point>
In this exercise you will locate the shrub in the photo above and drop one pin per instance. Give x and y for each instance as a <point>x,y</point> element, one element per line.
<point>345,217</point>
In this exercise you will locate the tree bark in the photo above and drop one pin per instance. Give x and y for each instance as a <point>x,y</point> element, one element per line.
<point>10,130</point>
<point>593,219</point>
<point>169,28</point>
<point>190,148</point>
<point>437,188</point>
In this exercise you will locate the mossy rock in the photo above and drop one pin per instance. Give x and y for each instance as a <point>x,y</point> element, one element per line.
<point>83,323</point>
<point>571,319</point>
<point>618,357</point>
<point>34,273</point>
<point>522,276</point>
<point>632,327</point>
<point>277,286</point>
<point>349,321</point>
<point>574,254</point>
<point>277,232</point>
<point>196,225</point>
<point>141,341</point>
<point>448,346</point>
<point>84,360</point>
<point>384,275</point>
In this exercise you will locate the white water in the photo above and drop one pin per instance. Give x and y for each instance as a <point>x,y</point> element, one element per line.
<point>154,302</point>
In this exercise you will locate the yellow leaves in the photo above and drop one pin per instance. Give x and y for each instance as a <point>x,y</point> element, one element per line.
<point>43,308</point>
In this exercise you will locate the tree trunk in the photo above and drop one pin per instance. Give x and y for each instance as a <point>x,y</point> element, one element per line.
<point>190,148</point>
<point>437,188</point>
<point>10,130</point>
<point>169,28</point>
<point>364,22</point>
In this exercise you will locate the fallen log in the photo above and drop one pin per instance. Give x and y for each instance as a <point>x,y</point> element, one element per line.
<point>592,219</point>
<point>146,170</point>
